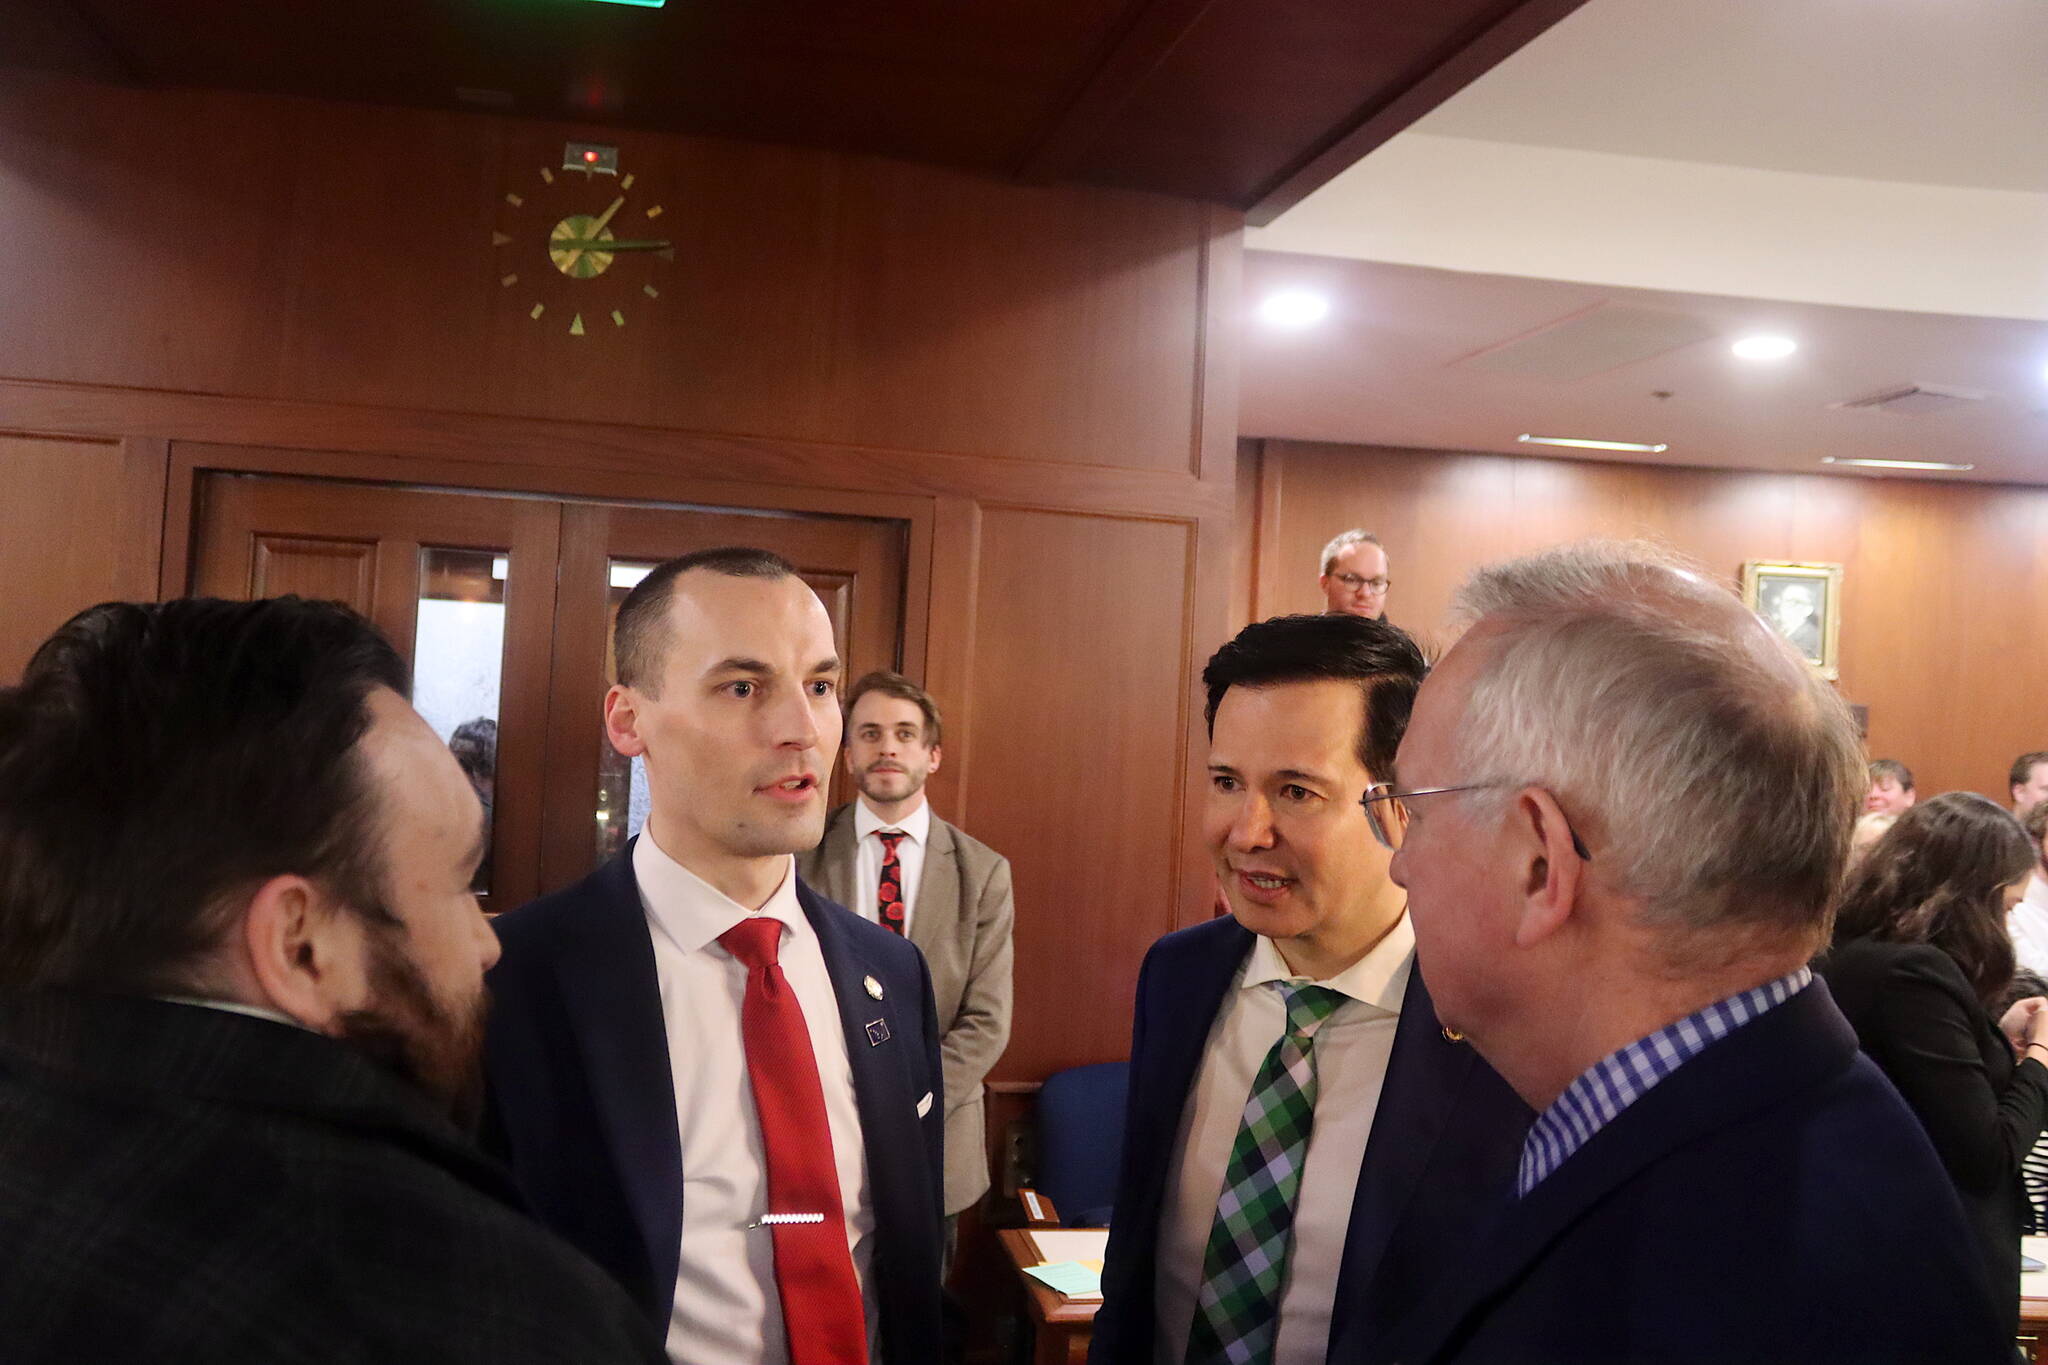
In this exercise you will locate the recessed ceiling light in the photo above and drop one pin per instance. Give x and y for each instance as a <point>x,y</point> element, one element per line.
<point>1591,445</point>
<point>1294,308</point>
<point>1764,347</point>
<point>1897,464</point>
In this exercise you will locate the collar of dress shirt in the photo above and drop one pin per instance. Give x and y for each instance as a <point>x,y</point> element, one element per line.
<point>233,1007</point>
<point>690,911</point>
<point>1379,979</point>
<point>917,824</point>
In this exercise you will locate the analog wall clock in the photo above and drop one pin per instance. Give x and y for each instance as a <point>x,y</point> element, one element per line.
<point>580,245</point>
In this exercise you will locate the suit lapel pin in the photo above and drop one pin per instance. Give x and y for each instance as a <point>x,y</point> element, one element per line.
<point>874,986</point>
<point>1451,1035</point>
<point>878,1032</point>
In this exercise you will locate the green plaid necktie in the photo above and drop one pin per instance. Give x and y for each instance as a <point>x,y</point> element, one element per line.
<point>1237,1312</point>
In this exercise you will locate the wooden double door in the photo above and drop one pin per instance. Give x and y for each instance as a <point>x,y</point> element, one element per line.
<point>503,605</point>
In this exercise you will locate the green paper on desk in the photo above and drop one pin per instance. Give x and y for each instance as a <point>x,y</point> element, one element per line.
<point>1074,1279</point>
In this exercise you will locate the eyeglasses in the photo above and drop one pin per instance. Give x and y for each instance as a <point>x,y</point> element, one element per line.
<point>1352,582</point>
<point>1377,792</point>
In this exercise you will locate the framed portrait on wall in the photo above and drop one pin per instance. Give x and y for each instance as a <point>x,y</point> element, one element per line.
<point>1803,603</point>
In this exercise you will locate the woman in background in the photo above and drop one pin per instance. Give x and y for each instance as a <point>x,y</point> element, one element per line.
<point>1920,958</point>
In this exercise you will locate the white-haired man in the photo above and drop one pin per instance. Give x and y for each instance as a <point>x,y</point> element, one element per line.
<point>1354,577</point>
<point>1627,807</point>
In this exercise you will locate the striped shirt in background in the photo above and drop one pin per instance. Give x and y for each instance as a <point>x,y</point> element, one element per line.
<point>1624,1076</point>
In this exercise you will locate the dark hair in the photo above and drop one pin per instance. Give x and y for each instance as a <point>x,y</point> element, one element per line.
<point>2023,767</point>
<point>1385,663</point>
<point>159,761</point>
<point>639,637</point>
<point>1936,877</point>
<point>903,689</point>
<point>1895,770</point>
<point>2025,984</point>
<point>475,746</point>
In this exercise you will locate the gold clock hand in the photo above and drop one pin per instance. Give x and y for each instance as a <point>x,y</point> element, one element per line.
<point>617,244</point>
<point>596,231</point>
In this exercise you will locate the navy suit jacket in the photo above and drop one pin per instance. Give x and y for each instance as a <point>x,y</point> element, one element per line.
<point>1441,1161</point>
<point>1771,1200</point>
<point>582,1105</point>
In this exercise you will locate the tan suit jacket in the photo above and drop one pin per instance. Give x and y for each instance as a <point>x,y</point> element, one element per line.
<point>961,923</point>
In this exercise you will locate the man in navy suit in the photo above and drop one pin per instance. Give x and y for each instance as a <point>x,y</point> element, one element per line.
<point>1628,804</point>
<point>1306,1149</point>
<point>720,1085</point>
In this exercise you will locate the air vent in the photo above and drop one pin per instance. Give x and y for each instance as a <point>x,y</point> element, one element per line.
<point>1913,400</point>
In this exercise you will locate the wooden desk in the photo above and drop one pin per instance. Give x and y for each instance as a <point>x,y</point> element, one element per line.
<point>1059,1330</point>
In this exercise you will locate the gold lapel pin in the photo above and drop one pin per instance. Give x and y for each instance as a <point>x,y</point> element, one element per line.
<point>874,986</point>
<point>1451,1035</point>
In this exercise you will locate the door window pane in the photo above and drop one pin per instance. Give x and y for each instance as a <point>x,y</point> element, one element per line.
<point>458,663</point>
<point>622,798</point>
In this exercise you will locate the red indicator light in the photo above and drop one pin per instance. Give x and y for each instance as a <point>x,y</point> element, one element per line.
<point>590,156</point>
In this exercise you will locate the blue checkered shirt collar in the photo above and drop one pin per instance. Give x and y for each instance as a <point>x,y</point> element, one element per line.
<point>1622,1077</point>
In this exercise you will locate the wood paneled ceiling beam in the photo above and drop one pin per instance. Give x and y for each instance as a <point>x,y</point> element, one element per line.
<point>1439,75</point>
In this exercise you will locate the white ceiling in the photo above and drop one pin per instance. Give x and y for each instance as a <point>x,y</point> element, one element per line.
<point>1870,176</point>
<point>1936,92</point>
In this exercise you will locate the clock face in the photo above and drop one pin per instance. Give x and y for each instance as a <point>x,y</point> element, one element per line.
<point>583,246</point>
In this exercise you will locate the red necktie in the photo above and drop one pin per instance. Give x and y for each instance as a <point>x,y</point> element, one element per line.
<point>821,1304</point>
<point>889,894</point>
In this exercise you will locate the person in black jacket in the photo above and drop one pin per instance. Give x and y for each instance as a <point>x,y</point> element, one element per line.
<point>1920,959</point>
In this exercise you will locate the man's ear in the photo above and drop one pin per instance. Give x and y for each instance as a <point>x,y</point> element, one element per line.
<point>622,720</point>
<point>935,760</point>
<point>306,952</point>
<point>1552,872</point>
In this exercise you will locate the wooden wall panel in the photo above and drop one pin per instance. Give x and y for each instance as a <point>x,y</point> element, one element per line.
<point>278,248</point>
<point>1943,585</point>
<point>71,534</point>
<point>1078,690</point>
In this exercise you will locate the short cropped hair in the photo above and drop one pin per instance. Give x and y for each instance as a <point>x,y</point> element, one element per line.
<point>475,746</point>
<point>1386,664</point>
<point>640,635</point>
<point>1720,773</point>
<point>903,689</point>
<point>1343,541</point>
<point>159,763</point>
<point>2023,768</point>
<point>1895,770</point>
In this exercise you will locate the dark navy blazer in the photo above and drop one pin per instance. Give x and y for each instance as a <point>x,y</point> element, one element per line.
<point>1771,1200</point>
<point>1441,1161</point>
<point>582,1103</point>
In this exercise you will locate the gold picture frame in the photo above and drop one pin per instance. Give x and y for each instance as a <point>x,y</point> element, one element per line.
<point>1784,596</point>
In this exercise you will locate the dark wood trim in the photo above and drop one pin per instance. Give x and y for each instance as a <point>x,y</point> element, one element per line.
<point>1440,74</point>
<point>1216,360</point>
<point>949,655</point>
<point>139,545</point>
<point>586,458</point>
<point>1127,60</point>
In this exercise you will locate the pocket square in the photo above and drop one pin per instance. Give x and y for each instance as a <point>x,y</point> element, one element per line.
<point>924,1106</point>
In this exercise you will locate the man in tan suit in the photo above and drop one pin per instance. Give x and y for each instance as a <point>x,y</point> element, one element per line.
<point>886,857</point>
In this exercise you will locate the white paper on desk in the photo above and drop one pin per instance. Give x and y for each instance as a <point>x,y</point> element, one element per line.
<point>1069,1244</point>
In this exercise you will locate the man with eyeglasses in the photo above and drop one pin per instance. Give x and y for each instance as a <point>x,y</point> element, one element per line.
<point>1354,579</point>
<point>1307,1150</point>
<point>1625,807</point>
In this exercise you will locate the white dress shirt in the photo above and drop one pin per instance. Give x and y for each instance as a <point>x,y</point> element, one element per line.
<point>869,852</point>
<point>727,1310</point>
<point>2028,925</point>
<point>1352,1049</point>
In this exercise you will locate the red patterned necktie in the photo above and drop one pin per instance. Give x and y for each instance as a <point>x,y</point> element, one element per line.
<point>889,894</point>
<point>821,1303</point>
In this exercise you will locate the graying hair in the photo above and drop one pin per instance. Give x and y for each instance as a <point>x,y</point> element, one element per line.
<point>1715,775</point>
<point>1343,541</point>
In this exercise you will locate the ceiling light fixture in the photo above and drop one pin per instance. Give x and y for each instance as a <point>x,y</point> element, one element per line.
<point>1294,308</point>
<point>1764,347</point>
<point>1656,449</point>
<point>1897,464</point>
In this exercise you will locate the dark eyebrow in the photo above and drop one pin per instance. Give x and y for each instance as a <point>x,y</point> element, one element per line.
<point>1298,775</point>
<point>739,664</point>
<point>826,665</point>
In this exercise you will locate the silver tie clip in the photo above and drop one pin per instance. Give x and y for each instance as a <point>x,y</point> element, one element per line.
<point>769,1220</point>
